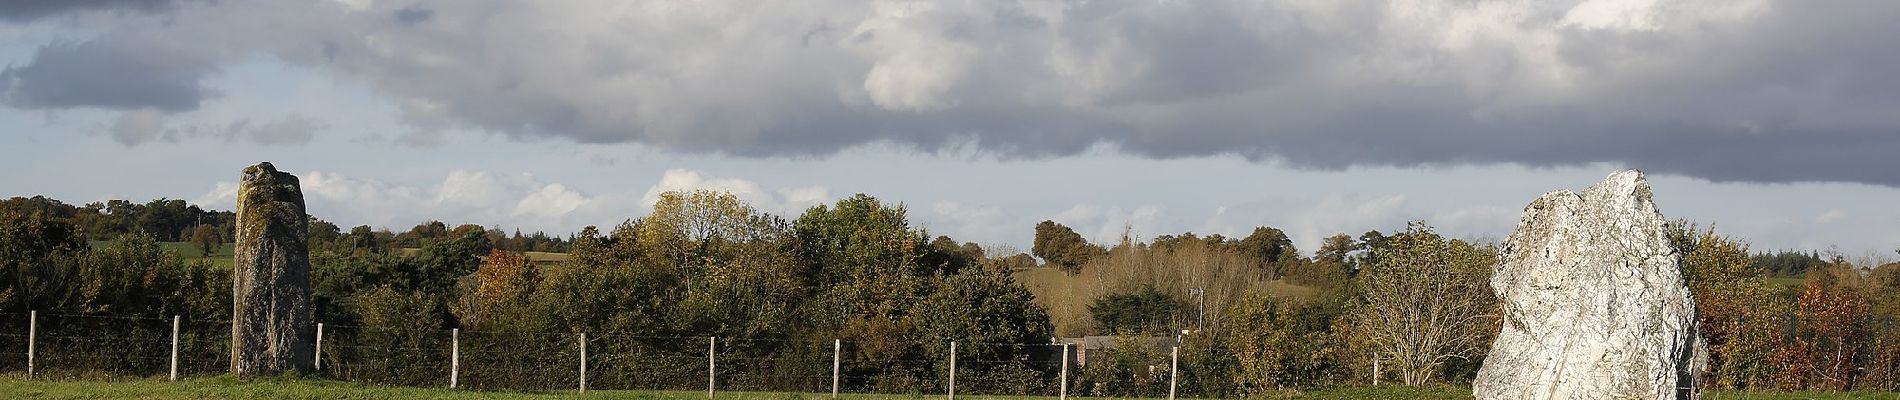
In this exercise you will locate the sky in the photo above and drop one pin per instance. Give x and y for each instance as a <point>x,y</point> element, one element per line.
<point>1777,122</point>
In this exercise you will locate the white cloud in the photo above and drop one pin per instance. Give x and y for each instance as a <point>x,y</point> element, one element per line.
<point>1830,216</point>
<point>684,180</point>
<point>786,202</point>
<point>551,201</point>
<point>1105,225</point>
<point>137,127</point>
<point>800,198</point>
<point>462,196</point>
<point>1342,213</point>
<point>1484,221</point>
<point>223,196</point>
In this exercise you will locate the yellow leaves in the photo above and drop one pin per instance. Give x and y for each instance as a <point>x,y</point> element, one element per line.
<point>502,277</point>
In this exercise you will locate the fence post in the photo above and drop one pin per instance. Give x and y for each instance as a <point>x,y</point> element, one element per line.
<point>1065,373</point>
<point>319,355</point>
<point>174,348</point>
<point>455,355</point>
<point>583,362</point>
<point>712,343</point>
<point>953,370</point>
<point>1174,369</point>
<point>32,338</point>
<point>837,355</point>
<point>1375,369</point>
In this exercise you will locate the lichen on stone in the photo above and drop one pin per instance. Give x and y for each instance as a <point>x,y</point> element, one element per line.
<point>271,330</point>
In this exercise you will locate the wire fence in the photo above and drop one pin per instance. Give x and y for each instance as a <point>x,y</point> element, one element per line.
<point>106,347</point>
<point>57,346</point>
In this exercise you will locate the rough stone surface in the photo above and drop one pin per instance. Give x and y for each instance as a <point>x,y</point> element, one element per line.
<point>271,330</point>
<point>1593,301</point>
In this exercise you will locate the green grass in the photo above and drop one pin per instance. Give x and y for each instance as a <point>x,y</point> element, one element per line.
<point>224,387</point>
<point>1795,281</point>
<point>221,257</point>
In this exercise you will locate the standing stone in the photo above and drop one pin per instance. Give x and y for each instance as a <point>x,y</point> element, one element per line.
<point>270,283</point>
<point>1594,304</point>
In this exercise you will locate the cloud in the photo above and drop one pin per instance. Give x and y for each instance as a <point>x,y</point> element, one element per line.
<point>1105,225</point>
<point>135,127</point>
<point>29,10</point>
<point>116,71</point>
<point>462,196</point>
<point>1345,213</point>
<point>1830,216</point>
<point>787,202</point>
<point>294,129</point>
<point>516,200</point>
<point>1750,90</point>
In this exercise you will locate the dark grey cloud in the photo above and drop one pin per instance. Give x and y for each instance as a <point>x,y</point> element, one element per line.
<point>1751,90</point>
<point>413,15</point>
<point>29,10</point>
<point>116,71</point>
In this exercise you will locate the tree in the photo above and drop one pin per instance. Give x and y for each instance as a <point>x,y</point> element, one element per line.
<point>1279,343</point>
<point>1733,303</point>
<point>33,244</point>
<point>1830,334</point>
<point>500,289</point>
<point>1270,245</point>
<point>207,239</point>
<point>1424,302</point>
<point>1062,247</point>
<point>1148,311</point>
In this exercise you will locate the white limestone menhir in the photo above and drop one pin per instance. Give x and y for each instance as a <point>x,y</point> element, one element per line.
<point>1593,302</point>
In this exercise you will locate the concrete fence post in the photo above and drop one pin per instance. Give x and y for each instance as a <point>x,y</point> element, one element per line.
<point>455,356</point>
<point>712,364</point>
<point>1174,369</point>
<point>32,339</point>
<point>953,370</point>
<point>837,358</point>
<point>583,341</point>
<point>174,348</point>
<point>318,357</point>
<point>1064,394</point>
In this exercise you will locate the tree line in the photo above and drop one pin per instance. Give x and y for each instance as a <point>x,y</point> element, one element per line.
<point>1254,314</point>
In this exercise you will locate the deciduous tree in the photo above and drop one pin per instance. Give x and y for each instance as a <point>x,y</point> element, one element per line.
<point>1424,302</point>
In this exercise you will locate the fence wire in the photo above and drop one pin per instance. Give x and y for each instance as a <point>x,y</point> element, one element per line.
<point>109,347</point>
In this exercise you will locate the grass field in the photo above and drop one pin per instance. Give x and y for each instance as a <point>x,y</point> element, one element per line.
<point>1789,281</point>
<point>188,252</point>
<point>536,257</point>
<point>1067,297</point>
<point>13,387</point>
